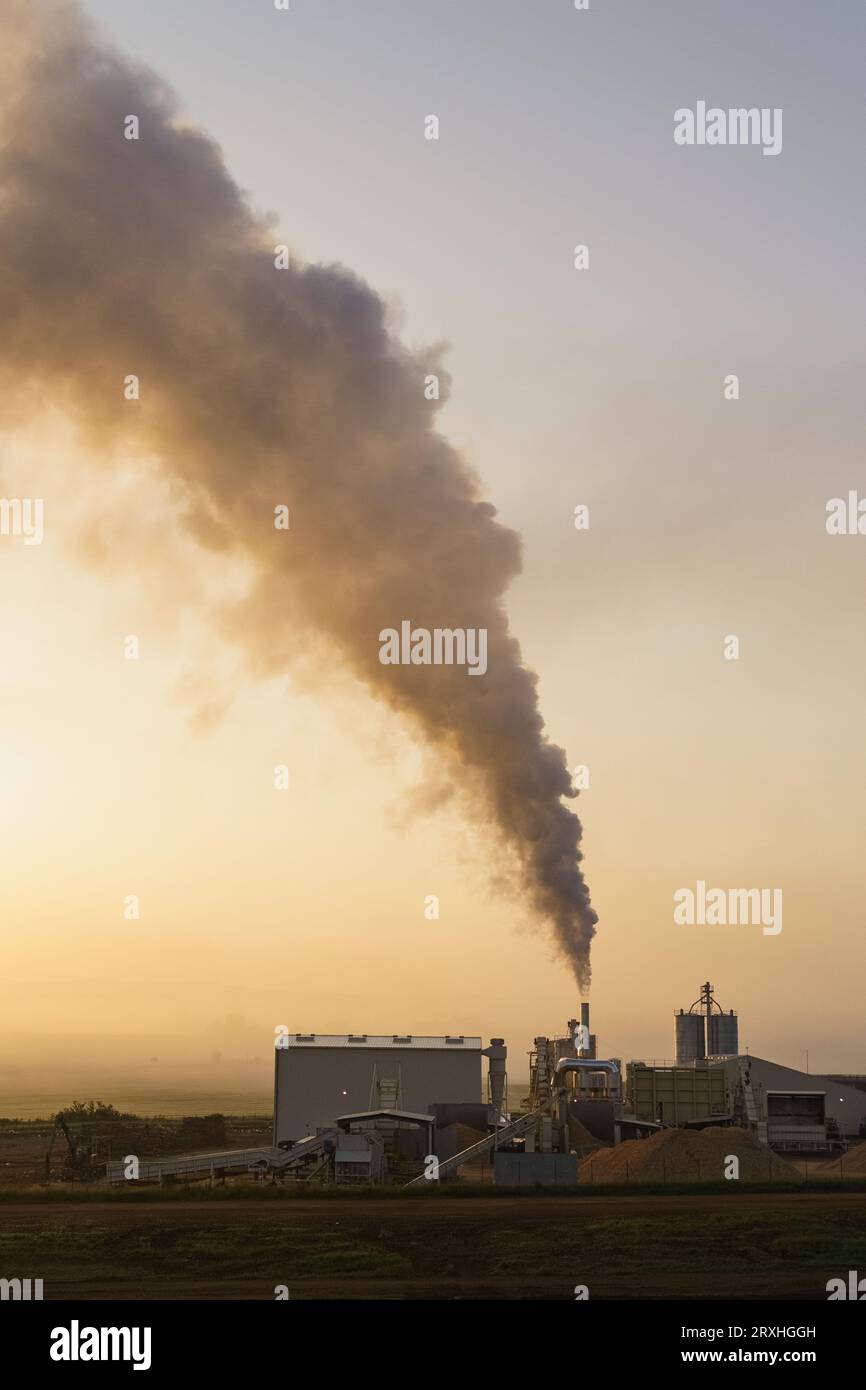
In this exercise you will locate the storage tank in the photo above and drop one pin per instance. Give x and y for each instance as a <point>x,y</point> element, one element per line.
<point>689,1037</point>
<point>723,1035</point>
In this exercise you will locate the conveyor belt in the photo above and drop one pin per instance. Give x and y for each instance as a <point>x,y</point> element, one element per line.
<point>493,1141</point>
<point>267,1159</point>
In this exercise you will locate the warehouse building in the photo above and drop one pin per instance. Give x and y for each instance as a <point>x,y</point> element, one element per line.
<point>797,1106</point>
<point>319,1076</point>
<point>789,1110</point>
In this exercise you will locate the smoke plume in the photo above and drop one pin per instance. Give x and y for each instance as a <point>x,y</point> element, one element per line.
<point>262,387</point>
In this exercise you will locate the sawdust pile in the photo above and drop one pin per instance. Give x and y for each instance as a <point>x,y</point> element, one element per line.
<point>853,1163</point>
<point>682,1155</point>
<point>453,1139</point>
<point>581,1141</point>
<point>464,1136</point>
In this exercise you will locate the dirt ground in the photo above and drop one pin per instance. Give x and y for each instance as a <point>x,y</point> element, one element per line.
<point>705,1247</point>
<point>22,1155</point>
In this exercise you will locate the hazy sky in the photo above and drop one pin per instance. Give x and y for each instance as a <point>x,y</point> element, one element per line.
<point>602,387</point>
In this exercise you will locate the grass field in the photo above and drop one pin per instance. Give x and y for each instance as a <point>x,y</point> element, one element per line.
<point>639,1246</point>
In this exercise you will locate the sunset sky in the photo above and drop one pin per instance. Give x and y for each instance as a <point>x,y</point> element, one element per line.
<point>603,387</point>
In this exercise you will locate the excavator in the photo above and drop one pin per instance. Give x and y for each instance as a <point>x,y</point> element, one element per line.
<point>78,1163</point>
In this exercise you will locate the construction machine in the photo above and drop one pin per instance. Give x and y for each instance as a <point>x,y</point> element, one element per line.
<point>78,1162</point>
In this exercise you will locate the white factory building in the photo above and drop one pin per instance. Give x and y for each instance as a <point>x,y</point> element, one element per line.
<point>321,1076</point>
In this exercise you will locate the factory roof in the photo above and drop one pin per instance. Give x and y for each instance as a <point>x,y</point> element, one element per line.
<point>381,1040</point>
<point>411,1115</point>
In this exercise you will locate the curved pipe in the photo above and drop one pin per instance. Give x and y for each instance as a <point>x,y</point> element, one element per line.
<point>584,1064</point>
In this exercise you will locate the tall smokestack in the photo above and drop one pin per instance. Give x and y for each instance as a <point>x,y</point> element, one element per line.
<point>264,387</point>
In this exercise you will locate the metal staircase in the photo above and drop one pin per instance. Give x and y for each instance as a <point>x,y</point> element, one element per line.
<point>756,1124</point>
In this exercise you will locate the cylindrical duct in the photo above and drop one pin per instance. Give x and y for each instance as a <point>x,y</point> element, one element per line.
<point>496,1054</point>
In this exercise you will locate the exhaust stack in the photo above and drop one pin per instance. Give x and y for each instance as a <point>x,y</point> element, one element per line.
<point>584,1042</point>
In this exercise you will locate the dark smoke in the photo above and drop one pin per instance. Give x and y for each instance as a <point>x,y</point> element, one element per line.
<point>262,387</point>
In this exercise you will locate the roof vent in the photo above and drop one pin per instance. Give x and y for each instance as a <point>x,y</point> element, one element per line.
<point>357,1037</point>
<point>402,1037</point>
<point>305,1037</point>
<point>455,1040</point>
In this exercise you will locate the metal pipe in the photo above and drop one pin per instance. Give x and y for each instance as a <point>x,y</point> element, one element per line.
<point>566,1064</point>
<point>584,1064</point>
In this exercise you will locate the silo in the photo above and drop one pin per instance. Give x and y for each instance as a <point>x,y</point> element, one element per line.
<point>723,1035</point>
<point>689,1037</point>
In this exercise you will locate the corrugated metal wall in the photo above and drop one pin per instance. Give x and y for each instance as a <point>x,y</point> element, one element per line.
<point>315,1085</point>
<point>690,1037</point>
<point>723,1040</point>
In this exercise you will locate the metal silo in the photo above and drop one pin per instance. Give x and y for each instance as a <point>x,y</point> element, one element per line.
<point>723,1035</point>
<point>689,1037</point>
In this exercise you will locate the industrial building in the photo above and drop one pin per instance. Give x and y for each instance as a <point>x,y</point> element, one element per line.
<point>795,1110</point>
<point>680,1094</point>
<point>711,1082</point>
<point>358,1108</point>
<point>319,1076</point>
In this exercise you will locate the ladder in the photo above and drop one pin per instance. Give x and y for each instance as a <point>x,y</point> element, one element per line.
<point>750,1100</point>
